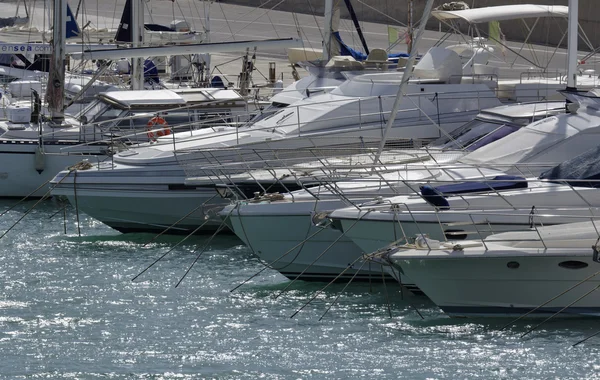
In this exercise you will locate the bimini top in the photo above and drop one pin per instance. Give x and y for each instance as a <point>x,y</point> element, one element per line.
<point>504,12</point>
<point>169,98</point>
<point>141,98</point>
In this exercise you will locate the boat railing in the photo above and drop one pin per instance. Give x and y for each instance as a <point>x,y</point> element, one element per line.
<point>390,176</point>
<point>479,220</point>
<point>485,227</point>
<point>107,131</point>
<point>331,159</point>
<point>390,179</point>
<point>543,74</point>
<point>369,114</point>
<point>488,79</point>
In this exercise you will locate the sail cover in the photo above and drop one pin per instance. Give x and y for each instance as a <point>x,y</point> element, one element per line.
<point>503,12</point>
<point>358,55</point>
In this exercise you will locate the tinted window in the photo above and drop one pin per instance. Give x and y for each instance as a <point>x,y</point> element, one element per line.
<point>474,135</point>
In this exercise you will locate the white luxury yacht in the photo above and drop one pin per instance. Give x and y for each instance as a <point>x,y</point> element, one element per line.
<point>277,228</point>
<point>33,150</point>
<point>460,210</point>
<point>272,228</point>
<point>546,271</point>
<point>353,113</point>
<point>444,93</point>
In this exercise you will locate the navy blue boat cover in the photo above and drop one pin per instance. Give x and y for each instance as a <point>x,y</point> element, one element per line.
<point>360,56</point>
<point>436,196</point>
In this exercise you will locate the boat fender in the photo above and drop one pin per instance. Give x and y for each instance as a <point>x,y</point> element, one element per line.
<point>153,126</point>
<point>39,162</point>
<point>424,242</point>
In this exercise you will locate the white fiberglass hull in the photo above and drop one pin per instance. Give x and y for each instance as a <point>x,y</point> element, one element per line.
<point>284,236</point>
<point>505,283</point>
<point>377,230</point>
<point>149,210</point>
<point>136,169</point>
<point>23,171</point>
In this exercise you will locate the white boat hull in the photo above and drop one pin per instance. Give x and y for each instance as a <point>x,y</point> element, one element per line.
<point>290,243</point>
<point>375,231</point>
<point>18,174</point>
<point>466,286</point>
<point>148,211</point>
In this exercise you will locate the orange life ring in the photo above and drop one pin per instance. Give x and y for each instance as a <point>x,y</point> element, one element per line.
<point>153,132</point>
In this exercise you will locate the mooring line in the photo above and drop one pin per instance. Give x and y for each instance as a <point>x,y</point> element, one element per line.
<point>342,291</point>
<point>550,300</point>
<point>201,252</point>
<point>221,226</point>
<point>399,279</point>
<point>322,253</point>
<point>560,311</point>
<point>170,250</point>
<point>59,210</point>
<point>387,297</point>
<point>584,340</point>
<point>269,265</point>
<point>180,219</point>
<point>43,198</point>
<point>25,197</point>
<point>76,202</point>
<point>326,286</point>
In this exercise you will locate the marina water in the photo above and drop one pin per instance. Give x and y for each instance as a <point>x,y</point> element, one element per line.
<point>68,309</point>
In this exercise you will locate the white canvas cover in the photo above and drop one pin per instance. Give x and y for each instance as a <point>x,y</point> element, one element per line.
<point>504,12</point>
<point>143,97</point>
<point>551,140</point>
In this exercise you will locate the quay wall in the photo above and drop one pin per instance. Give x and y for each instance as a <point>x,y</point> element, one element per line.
<point>547,32</point>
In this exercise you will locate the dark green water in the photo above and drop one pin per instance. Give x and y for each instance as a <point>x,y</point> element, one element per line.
<point>68,309</point>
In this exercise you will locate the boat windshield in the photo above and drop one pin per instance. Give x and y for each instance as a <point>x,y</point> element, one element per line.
<point>474,135</point>
<point>98,111</point>
<point>265,113</point>
<point>583,170</point>
<point>91,109</point>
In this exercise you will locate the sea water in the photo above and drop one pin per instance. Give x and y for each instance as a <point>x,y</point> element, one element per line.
<point>69,309</point>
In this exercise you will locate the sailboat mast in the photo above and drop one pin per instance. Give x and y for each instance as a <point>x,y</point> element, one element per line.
<point>207,36</point>
<point>137,35</point>
<point>56,83</point>
<point>405,77</point>
<point>327,29</point>
<point>572,47</point>
<point>410,27</point>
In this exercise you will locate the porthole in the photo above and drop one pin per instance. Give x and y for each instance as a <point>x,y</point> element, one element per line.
<point>455,234</point>
<point>573,264</point>
<point>513,264</point>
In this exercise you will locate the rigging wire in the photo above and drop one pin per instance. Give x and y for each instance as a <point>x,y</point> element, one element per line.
<point>200,17</point>
<point>226,21</point>
<point>314,14</point>
<point>387,16</point>
<point>257,18</point>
